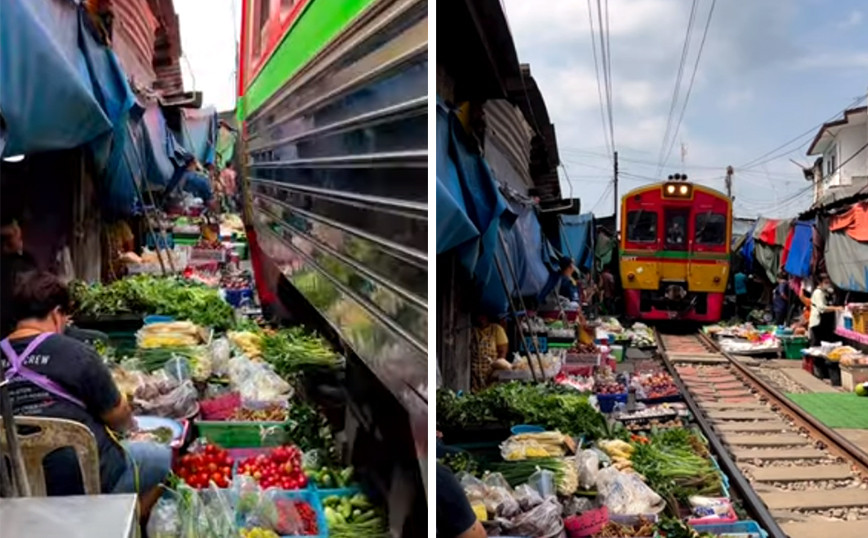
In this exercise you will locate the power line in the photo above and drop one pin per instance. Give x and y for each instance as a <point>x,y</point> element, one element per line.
<point>754,162</point>
<point>597,76</point>
<point>677,89</point>
<point>690,85</point>
<point>608,71</point>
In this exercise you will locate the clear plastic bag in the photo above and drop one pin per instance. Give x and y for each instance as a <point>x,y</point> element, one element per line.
<point>164,521</point>
<point>578,505</point>
<point>500,496</point>
<point>181,402</point>
<point>588,463</point>
<point>256,382</point>
<point>221,352</point>
<point>527,497</point>
<point>543,481</point>
<point>179,368</point>
<point>544,520</point>
<point>626,494</point>
<point>288,520</point>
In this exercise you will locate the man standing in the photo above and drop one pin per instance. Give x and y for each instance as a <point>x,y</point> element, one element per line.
<point>822,313</point>
<point>227,180</point>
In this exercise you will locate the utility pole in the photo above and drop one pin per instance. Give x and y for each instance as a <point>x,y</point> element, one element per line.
<point>729,172</point>
<point>615,184</point>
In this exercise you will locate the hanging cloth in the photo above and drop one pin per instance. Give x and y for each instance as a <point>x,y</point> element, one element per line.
<point>853,221</point>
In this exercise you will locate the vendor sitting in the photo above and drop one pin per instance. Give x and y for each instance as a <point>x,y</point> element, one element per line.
<point>52,375</point>
<point>564,282</point>
<point>490,343</point>
<point>191,180</point>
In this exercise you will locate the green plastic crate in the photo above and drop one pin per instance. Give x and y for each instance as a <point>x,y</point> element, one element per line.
<point>243,434</point>
<point>793,346</point>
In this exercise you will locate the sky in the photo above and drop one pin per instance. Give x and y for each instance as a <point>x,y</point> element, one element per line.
<point>208,41</point>
<point>769,72</point>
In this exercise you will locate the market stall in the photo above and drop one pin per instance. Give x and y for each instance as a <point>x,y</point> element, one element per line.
<point>252,454</point>
<point>607,454</point>
<point>748,339</point>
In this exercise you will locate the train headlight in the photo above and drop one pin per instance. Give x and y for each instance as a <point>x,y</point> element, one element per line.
<point>683,189</point>
<point>670,189</point>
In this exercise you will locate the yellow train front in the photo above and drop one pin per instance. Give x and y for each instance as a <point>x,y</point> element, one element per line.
<point>674,251</point>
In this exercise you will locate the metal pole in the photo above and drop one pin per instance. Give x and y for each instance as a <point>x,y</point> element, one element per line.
<point>514,312</point>
<point>533,337</point>
<point>615,190</point>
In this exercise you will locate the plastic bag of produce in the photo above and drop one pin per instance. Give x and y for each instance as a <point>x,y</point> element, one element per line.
<point>626,494</point>
<point>164,521</point>
<point>181,402</point>
<point>543,481</point>
<point>179,368</point>
<point>218,511</point>
<point>588,463</point>
<point>578,505</point>
<point>263,386</point>
<point>494,492</point>
<point>527,497</point>
<point>543,520</point>
<point>513,450</point>
<point>245,493</point>
<point>221,352</point>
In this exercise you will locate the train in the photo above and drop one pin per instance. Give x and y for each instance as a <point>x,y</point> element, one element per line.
<point>333,113</point>
<point>674,255</point>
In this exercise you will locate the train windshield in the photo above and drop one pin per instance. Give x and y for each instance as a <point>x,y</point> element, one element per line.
<point>710,229</point>
<point>641,227</point>
<point>676,230</point>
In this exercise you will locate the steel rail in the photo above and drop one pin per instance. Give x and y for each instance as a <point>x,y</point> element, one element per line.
<point>755,506</point>
<point>833,442</point>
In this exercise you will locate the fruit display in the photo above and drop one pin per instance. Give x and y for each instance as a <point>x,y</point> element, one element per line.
<point>280,468</point>
<point>609,387</point>
<point>272,413</point>
<point>235,281</point>
<point>583,349</point>
<point>208,464</point>
<point>658,385</point>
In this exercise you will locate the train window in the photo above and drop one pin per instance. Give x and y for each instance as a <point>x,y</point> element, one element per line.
<point>642,226</point>
<point>676,230</point>
<point>710,229</point>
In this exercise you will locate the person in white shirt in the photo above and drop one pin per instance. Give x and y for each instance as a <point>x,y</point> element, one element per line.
<point>821,310</point>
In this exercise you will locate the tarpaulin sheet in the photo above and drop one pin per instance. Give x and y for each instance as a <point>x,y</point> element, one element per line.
<point>798,262</point>
<point>769,258</point>
<point>526,251</point>
<point>772,231</point>
<point>474,187</point>
<point>163,154</point>
<point>847,262</point>
<point>747,250</point>
<point>225,145</point>
<point>198,133</point>
<point>454,226</point>
<point>47,94</point>
<point>577,238</point>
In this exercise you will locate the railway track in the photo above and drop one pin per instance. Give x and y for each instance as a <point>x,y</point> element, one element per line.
<point>797,477</point>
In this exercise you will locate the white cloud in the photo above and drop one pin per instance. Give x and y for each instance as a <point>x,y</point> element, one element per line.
<point>853,19</point>
<point>208,38</point>
<point>737,98</point>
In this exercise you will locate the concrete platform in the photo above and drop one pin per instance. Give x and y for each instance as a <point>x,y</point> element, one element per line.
<point>783,439</point>
<point>808,381</point>
<point>838,529</point>
<point>802,474</point>
<point>816,500</point>
<point>857,437</point>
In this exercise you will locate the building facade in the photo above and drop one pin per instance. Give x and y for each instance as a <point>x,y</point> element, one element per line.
<point>841,151</point>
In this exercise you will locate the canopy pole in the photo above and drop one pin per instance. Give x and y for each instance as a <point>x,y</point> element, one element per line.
<point>514,313</point>
<point>533,337</point>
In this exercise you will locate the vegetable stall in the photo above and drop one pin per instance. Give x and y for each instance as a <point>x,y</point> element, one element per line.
<point>253,456</point>
<point>604,453</point>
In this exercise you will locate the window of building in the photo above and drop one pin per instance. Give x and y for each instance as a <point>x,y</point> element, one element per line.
<point>832,161</point>
<point>710,229</point>
<point>642,226</point>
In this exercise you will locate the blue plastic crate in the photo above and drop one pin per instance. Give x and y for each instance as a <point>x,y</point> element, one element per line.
<point>237,297</point>
<point>750,528</point>
<point>543,344</point>
<point>152,241</point>
<point>724,480</point>
<point>607,401</point>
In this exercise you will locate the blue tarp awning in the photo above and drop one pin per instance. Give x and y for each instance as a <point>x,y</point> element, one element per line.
<point>577,234</point>
<point>48,96</point>
<point>801,249</point>
<point>198,133</point>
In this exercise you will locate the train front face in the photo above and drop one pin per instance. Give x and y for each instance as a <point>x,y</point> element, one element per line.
<point>674,251</point>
